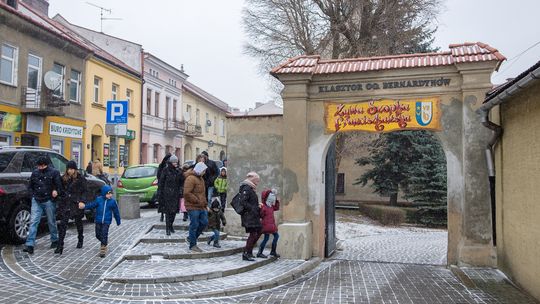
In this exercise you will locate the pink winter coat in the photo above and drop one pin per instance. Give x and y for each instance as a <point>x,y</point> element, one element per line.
<point>267,214</point>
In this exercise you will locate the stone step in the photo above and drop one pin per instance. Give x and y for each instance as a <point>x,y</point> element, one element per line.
<point>159,270</point>
<point>144,251</point>
<point>159,236</point>
<point>176,227</point>
<point>265,277</point>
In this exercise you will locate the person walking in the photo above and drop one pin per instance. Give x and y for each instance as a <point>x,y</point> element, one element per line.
<point>97,168</point>
<point>270,205</point>
<point>220,185</point>
<point>210,176</point>
<point>170,188</point>
<point>89,168</point>
<point>74,189</point>
<point>215,219</point>
<point>196,205</point>
<point>161,166</point>
<point>106,207</point>
<point>251,218</point>
<point>45,185</point>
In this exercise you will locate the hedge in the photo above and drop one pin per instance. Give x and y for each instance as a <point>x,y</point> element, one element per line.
<point>385,215</point>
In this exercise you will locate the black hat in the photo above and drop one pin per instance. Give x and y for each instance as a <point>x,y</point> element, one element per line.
<point>205,153</point>
<point>42,161</point>
<point>72,165</point>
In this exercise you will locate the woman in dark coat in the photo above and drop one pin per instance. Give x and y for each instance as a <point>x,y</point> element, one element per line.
<point>162,166</point>
<point>251,219</point>
<point>170,187</point>
<point>68,207</point>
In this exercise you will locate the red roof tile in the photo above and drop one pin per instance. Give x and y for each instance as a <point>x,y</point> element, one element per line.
<point>458,53</point>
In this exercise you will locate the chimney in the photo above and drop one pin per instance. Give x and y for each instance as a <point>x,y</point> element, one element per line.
<point>40,6</point>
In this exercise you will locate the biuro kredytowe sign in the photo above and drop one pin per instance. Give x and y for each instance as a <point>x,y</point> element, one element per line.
<point>383,115</point>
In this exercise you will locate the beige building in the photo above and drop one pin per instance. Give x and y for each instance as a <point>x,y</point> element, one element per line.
<point>206,130</point>
<point>515,106</point>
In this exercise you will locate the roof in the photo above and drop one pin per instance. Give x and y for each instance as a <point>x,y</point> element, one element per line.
<point>459,53</point>
<point>268,108</point>
<point>503,87</point>
<point>193,89</point>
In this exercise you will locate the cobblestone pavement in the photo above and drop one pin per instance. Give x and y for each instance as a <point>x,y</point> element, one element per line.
<point>76,276</point>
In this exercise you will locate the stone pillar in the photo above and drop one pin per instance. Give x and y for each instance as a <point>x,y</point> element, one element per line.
<point>296,230</point>
<point>129,207</point>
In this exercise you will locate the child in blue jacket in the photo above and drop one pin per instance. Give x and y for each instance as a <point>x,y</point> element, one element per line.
<point>105,207</point>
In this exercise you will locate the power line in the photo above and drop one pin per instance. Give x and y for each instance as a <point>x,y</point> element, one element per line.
<point>515,58</point>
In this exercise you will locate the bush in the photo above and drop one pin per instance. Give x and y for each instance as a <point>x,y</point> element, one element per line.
<point>385,215</point>
<point>430,216</point>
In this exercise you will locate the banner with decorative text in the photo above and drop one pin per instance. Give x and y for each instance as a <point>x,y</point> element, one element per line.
<point>383,115</point>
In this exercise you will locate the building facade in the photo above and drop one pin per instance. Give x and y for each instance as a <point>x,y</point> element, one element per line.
<point>163,125</point>
<point>205,117</point>
<point>41,83</point>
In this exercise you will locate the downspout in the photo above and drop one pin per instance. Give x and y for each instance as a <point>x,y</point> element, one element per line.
<point>490,103</point>
<point>141,113</point>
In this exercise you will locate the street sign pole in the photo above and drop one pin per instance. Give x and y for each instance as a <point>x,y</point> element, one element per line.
<point>117,117</point>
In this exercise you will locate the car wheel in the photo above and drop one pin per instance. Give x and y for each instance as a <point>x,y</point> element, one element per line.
<point>19,223</point>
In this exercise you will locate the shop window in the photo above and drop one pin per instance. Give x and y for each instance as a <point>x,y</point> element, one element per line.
<point>75,86</point>
<point>340,183</point>
<point>60,70</point>
<point>8,64</point>
<point>5,140</point>
<point>97,89</point>
<point>57,146</point>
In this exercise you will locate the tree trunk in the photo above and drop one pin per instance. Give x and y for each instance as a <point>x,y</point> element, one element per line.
<point>393,199</point>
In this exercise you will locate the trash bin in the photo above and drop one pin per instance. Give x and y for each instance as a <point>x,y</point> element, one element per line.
<point>129,207</point>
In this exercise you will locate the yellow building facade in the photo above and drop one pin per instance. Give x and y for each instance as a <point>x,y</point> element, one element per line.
<point>106,82</point>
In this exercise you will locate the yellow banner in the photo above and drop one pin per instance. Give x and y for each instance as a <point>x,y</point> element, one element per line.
<point>383,115</point>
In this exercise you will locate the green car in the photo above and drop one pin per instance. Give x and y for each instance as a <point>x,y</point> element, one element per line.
<point>140,180</point>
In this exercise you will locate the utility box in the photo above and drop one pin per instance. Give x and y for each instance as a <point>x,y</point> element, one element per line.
<point>129,207</point>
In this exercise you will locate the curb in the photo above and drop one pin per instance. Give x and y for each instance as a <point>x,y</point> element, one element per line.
<point>148,240</point>
<point>175,256</point>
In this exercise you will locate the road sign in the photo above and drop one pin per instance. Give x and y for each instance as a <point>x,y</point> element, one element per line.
<point>117,111</point>
<point>116,130</point>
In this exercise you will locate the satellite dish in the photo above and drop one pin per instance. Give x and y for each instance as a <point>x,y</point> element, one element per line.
<point>52,80</point>
<point>187,116</point>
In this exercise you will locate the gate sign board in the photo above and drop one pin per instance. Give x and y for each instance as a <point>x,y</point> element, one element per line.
<point>117,111</point>
<point>383,115</point>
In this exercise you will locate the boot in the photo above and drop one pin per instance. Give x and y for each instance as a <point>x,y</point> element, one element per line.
<point>29,249</point>
<point>210,239</point>
<point>216,244</point>
<point>247,257</point>
<point>102,251</point>
<point>185,217</point>
<point>167,224</point>
<point>59,249</point>
<point>261,255</point>
<point>161,218</point>
<point>80,242</point>
<point>171,224</point>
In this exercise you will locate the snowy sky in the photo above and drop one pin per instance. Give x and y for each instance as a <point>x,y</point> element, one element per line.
<point>207,37</point>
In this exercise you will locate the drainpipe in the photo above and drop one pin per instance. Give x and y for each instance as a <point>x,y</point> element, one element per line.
<point>519,84</point>
<point>141,113</point>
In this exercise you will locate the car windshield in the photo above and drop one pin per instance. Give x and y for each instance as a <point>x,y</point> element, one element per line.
<point>139,172</point>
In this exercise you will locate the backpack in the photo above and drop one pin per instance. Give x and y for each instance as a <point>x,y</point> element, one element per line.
<point>238,202</point>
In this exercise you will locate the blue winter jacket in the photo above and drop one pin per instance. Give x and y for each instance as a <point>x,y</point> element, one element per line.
<point>105,208</point>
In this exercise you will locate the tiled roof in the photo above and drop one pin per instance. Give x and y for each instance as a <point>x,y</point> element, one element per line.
<point>458,53</point>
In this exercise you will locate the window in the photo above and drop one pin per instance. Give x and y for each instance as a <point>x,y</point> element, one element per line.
<point>174,107</point>
<point>197,151</point>
<point>34,72</point>
<point>5,159</point>
<point>8,65</point>
<point>12,3</point>
<point>156,104</point>
<point>167,106</point>
<point>114,93</point>
<point>30,160</point>
<point>60,70</point>
<point>206,123</point>
<point>129,93</point>
<point>75,86</point>
<point>340,183</point>
<point>188,111</point>
<point>222,128</point>
<point>97,89</point>
<point>58,162</point>
<point>198,119</point>
<point>215,126</point>
<point>148,101</point>
<point>155,153</point>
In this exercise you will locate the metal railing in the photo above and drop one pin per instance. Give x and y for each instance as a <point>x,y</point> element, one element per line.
<point>41,100</point>
<point>175,125</point>
<point>193,130</point>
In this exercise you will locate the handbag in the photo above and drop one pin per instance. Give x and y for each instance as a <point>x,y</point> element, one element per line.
<point>238,202</point>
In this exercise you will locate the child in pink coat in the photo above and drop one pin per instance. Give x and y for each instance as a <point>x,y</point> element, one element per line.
<point>270,205</point>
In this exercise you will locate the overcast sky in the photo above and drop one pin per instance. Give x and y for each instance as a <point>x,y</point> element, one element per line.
<point>207,37</point>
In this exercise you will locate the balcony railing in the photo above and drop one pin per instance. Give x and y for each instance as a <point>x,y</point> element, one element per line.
<point>175,125</point>
<point>41,102</point>
<point>193,130</point>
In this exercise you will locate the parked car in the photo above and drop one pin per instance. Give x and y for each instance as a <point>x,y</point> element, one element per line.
<point>16,166</point>
<point>140,180</point>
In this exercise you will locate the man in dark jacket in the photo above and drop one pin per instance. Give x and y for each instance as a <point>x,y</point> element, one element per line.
<point>44,186</point>
<point>210,176</point>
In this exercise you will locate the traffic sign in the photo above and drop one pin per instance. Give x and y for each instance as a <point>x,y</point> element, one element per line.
<point>117,111</point>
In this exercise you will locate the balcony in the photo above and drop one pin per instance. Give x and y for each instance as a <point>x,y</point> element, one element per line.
<point>154,122</point>
<point>193,130</point>
<point>175,127</point>
<point>41,102</point>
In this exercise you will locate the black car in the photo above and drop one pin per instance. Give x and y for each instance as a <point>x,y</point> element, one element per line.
<point>16,166</point>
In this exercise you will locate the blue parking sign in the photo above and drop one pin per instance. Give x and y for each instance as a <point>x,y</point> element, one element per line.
<point>117,111</point>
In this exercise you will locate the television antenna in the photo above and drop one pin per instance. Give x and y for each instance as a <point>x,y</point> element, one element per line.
<point>102,9</point>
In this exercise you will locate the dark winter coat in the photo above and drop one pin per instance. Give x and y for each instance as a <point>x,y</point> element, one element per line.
<point>267,218</point>
<point>170,189</point>
<point>211,174</point>
<point>194,192</point>
<point>74,192</point>
<point>216,218</point>
<point>251,218</point>
<point>43,182</point>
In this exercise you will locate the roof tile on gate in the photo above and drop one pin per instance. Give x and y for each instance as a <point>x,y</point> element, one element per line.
<point>458,53</point>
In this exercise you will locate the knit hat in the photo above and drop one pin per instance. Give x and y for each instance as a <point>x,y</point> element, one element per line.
<point>253,177</point>
<point>72,165</point>
<point>200,167</point>
<point>205,153</point>
<point>42,161</point>
<point>173,159</point>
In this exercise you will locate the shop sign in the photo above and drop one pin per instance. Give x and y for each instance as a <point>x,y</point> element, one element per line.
<point>57,129</point>
<point>130,135</point>
<point>106,154</point>
<point>10,122</point>
<point>383,115</point>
